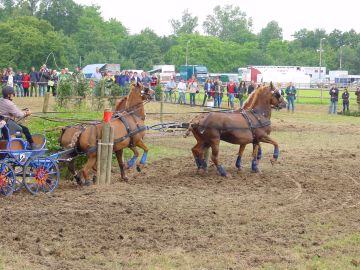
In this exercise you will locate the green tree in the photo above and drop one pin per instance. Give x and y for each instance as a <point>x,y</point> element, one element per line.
<point>62,14</point>
<point>186,25</point>
<point>270,32</point>
<point>143,49</point>
<point>27,41</point>
<point>229,23</point>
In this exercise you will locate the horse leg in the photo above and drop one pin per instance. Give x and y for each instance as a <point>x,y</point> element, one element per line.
<point>88,167</point>
<point>259,154</point>
<point>215,158</point>
<point>254,160</point>
<point>198,153</point>
<point>119,157</point>
<point>143,146</point>
<point>241,152</point>
<point>131,162</point>
<point>267,139</point>
<point>76,175</point>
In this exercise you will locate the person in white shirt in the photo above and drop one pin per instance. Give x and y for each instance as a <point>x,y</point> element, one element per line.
<point>181,89</point>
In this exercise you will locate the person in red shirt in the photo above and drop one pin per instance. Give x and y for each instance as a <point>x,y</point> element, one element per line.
<point>26,84</point>
<point>231,90</point>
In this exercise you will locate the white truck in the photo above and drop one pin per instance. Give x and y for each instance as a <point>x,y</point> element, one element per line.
<point>166,72</point>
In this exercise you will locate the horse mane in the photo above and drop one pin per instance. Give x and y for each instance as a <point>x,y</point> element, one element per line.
<point>131,92</point>
<point>121,104</point>
<point>252,99</point>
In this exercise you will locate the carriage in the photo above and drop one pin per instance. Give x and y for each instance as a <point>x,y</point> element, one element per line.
<point>21,166</point>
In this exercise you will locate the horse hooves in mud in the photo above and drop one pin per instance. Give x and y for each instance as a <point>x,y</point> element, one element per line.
<point>273,161</point>
<point>138,168</point>
<point>88,183</point>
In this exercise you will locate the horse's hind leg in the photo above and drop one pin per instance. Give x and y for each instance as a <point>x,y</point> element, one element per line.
<point>215,158</point>
<point>198,153</point>
<point>89,165</point>
<point>259,154</point>
<point>132,161</point>
<point>119,157</point>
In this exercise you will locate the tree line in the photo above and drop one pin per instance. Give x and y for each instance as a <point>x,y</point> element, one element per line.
<point>31,29</point>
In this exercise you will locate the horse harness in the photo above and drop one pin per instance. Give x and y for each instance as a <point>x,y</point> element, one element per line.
<point>259,124</point>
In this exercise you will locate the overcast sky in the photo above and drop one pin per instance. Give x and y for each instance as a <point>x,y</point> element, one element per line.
<point>291,15</point>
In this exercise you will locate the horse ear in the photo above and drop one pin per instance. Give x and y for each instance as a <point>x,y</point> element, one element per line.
<point>272,86</point>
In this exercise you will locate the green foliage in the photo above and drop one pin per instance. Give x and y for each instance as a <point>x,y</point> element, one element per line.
<point>229,23</point>
<point>270,32</point>
<point>186,25</point>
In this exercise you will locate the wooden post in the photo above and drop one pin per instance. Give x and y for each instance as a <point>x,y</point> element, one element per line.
<point>161,105</point>
<point>109,156</point>
<point>321,95</point>
<point>98,162</point>
<point>105,144</point>
<point>46,102</point>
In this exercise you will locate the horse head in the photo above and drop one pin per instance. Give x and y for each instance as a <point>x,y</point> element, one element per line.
<point>136,98</point>
<point>277,100</point>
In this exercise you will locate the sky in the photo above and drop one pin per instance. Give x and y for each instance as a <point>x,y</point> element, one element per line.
<point>291,15</point>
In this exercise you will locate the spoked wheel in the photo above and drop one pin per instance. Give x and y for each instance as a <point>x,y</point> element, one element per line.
<point>18,170</point>
<point>7,179</point>
<point>41,174</point>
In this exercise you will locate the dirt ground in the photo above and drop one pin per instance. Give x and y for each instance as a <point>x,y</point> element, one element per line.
<point>170,217</point>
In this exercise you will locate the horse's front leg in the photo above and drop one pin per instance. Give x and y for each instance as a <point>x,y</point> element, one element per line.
<point>131,162</point>
<point>142,162</point>
<point>254,161</point>
<point>198,153</point>
<point>240,154</point>
<point>267,139</point>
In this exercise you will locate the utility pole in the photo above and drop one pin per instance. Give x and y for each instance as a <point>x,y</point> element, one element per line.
<point>320,58</point>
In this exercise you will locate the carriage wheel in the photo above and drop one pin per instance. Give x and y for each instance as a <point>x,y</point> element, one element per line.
<point>7,179</point>
<point>18,170</point>
<point>41,174</point>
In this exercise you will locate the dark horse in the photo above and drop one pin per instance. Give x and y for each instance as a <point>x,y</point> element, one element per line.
<point>129,131</point>
<point>249,125</point>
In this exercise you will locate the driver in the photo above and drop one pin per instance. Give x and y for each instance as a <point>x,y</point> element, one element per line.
<point>9,111</point>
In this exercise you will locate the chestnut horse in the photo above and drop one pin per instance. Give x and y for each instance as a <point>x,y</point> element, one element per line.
<point>129,131</point>
<point>250,125</point>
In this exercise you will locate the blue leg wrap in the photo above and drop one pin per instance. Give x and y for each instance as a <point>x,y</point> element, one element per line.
<point>203,164</point>
<point>143,158</point>
<point>132,162</point>
<point>198,162</point>
<point>221,170</point>
<point>259,154</point>
<point>254,165</point>
<point>238,162</point>
<point>276,153</point>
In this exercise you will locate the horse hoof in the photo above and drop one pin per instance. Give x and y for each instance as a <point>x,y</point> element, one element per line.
<point>88,183</point>
<point>125,178</point>
<point>255,171</point>
<point>138,168</point>
<point>94,179</point>
<point>273,161</point>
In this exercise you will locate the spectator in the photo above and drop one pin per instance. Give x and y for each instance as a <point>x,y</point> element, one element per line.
<point>182,90</point>
<point>193,89</point>
<point>10,77</point>
<point>169,89</point>
<point>34,78</point>
<point>108,83</point>
<point>207,90</point>
<point>44,77</point>
<point>53,82</point>
<point>334,96</point>
<point>96,75</point>
<point>241,92</point>
<point>26,84</point>
<point>231,89</point>
<point>251,87</point>
<point>290,95</point>
<point>122,79</point>
<point>18,84</point>
<point>218,92</point>
<point>135,78</point>
<point>345,97</point>
<point>154,81</point>
<point>357,93</point>
<point>145,80</point>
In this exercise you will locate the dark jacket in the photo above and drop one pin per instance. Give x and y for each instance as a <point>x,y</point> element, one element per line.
<point>18,79</point>
<point>250,89</point>
<point>34,76</point>
<point>334,95</point>
<point>345,97</point>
